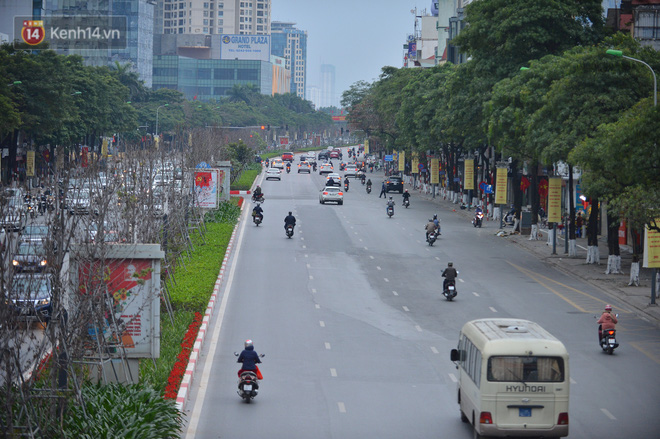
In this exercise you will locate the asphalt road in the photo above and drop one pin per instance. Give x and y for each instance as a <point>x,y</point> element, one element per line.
<point>357,334</point>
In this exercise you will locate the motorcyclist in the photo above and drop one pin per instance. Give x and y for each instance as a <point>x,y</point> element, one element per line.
<point>436,221</point>
<point>314,166</point>
<point>257,193</point>
<point>606,321</point>
<point>288,166</point>
<point>430,228</point>
<point>406,196</point>
<point>449,274</point>
<point>290,219</point>
<point>369,183</point>
<point>258,211</point>
<point>250,359</point>
<point>363,178</point>
<point>346,183</point>
<point>391,203</point>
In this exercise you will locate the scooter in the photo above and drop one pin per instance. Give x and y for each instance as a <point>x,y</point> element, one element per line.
<point>369,189</point>
<point>289,231</point>
<point>288,169</point>
<point>432,237</point>
<point>363,179</point>
<point>477,220</point>
<point>346,186</point>
<point>390,211</point>
<point>450,290</point>
<point>248,384</point>
<point>257,219</point>
<point>258,199</point>
<point>608,339</point>
<point>31,210</point>
<point>406,202</point>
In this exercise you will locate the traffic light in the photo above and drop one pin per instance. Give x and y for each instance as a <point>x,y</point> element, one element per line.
<point>268,128</point>
<point>263,127</point>
<point>342,131</point>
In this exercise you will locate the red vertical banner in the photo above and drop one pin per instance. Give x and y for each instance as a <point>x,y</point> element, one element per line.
<point>84,159</point>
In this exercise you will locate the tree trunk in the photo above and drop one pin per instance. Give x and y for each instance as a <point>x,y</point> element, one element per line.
<point>593,252</point>
<point>614,252</point>
<point>572,246</point>
<point>517,196</point>
<point>534,199</point>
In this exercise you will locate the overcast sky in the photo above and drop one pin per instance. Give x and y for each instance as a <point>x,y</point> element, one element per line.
<point>358,37</point>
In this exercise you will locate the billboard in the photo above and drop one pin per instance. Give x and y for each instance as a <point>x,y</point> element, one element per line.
<point>245,47</point>
<point>469,174</point>
<point>501,185</point>
<point>206,187</point>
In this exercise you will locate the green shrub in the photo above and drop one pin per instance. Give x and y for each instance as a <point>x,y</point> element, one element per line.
<point>118,411</point>
<point>227,212</point>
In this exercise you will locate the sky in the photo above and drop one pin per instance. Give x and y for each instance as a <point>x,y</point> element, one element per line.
<point>358,37</point>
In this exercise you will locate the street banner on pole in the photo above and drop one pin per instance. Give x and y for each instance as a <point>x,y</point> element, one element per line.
<point>554,200</point>
<point>29,171</point>
<point>366,146</point>
<point>500,186</point>
<point>415,163</point>
<point>469,174</point>
<point>402,161</point>
<point>435,176</point>
<point>652,247</point>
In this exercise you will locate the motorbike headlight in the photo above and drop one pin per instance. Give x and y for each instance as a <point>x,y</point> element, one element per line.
<point>43,262</point>
<point>14,262</point>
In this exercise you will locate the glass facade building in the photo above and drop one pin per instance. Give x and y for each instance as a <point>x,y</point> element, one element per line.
<point>291,44</point>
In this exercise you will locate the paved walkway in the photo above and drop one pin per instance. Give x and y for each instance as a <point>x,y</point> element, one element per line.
<point>615,285</point>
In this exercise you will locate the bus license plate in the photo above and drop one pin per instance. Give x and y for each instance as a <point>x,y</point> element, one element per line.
<point>524,412</point>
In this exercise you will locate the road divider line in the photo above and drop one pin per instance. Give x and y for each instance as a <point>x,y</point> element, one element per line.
<point>304,246</point>
<point>608,414</point>
<point>386,279</point>
<point>453,377</point>
<point>437,258</point>
<point>378,268</point>
<point>317,306</point>
<point>327,346</point>
<point>492,309</point>
<point>311,277</point>
<point>434,350</point>
<point>461,280</point>
<point>475,293</point>
<point>371,257</point>
<point>395,293</point>
<point>333,372</point>
<point>342,407</point>
<point>314,290</point>
<point>573,381</point>
<point>309,266</point>
<point>419,328</point>
<point>405,308</point>
<point>322,323</point>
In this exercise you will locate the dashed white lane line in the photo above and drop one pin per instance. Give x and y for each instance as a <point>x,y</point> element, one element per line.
<point>405,308</point>
<point>419,242</point>
<point>304,246</point>
<point>492,309</point>
<point>371,257</point>
<point>311,277</point>
<point>327,346</point>
<point>302,239</point>
<point>386,279</point>
<point>437,258</point>
<point>434,350</point>
<point>461,280</point>
<point>306,255</point>
<point>309,266</point>
<point>378,268</point>
<point>317,306</point>
<point>475,293</point>
<point>360,239</point>
<point>322,323</point>
<point>453,377</point>
<point>314,290</point>
<point>365,248</point>
<point>352,227</point>
<point>333,372</point>
<point>573,381</point>
<point>395,293</point>
<point>419,328</point>
<point>608,414</point>
<point>342,407</point>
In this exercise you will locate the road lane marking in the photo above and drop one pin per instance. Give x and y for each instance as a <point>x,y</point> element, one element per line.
<point>573,381</point>
<point>453,377</point>
<point>342,407</point>
<point>360,239</point>
<point>649,353</point>
<point>311,277</point>
<point>306,255</point>
<point>365,248</point>
<point>313,290</point>
<point>355,233</point>
<point>327,346</point>
<point>475,293</point>
<point>492,309</point>
<point>352,227</point>
<point>608,414</point>
<point>322,323</point>
<point>461,280</point>
<point>386,279</point>
<point>302,239</point>
<point>304,246</point>
<point>434,350</point>
<point>419,328</point>
<point>419,242</point>
<point>405,308</point>
<point>378,268</point>
<point>437,258</point>
<point>317,306</point>
<point>395,293</point>
<point>333,372</point>
<point>309,266</point>
<point>371,257</point>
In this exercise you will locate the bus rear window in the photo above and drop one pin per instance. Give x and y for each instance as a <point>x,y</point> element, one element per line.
<point>526,369</point>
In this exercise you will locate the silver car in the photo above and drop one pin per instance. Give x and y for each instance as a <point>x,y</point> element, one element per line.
<point>331,193</point>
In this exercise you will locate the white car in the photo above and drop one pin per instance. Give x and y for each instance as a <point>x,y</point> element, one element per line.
<point>274,174</point>
<point>333,179</point>
<point>278,163</point>
<point>350,171</point>
<point>331,193</point>
<point>326,168</point>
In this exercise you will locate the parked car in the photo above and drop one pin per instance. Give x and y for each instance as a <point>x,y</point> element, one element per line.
<point>304,167</point>
<point>394,183</point>
<point>30,296</point>
<point>331,193</point>
<point>273,174</point>
<point>287,156</point>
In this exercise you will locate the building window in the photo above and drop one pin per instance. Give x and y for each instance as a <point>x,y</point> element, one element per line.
<point>206,22</point>
<point>220,21</point>
<point>206,13</point>
<point>205,30</point>
<point>247,74</point>
<point>220,13</point>
<point>227,74</point>
<point>206,5</point>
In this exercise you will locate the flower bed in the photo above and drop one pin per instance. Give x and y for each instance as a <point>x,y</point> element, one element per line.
<point>179,369</point>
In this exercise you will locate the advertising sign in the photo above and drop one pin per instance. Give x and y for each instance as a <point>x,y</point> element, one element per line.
<point>402,161</point>
<point>435,169</point>
<point>206,188</point>
<point>651,247</point>
<point>284,140</point>
<point>245,47</point>
<point>130,277</point>
<point>29,170</point>
<point>469,174</point>
<point>554,200</point>
<point>415,168</point>
<point>366,146</point>
<point>501,186</point>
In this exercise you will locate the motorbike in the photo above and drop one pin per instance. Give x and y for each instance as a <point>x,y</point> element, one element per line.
<point>257,219</point>
<point>288,169</point>
<point>608,339</point>
<point>363,179</point>
<point>369,189</point>
<point>432,237</point>
<point>450,290</point>
<point>31,210</point>
<point>346,186</point>
<point>43,205</point>
<point>248,384</point>
<point>289,230</point>
<point>258,198</point>
<point>390,211</point>
<point>478,219</point>
<point>314,167</point>
<point>406,202</point>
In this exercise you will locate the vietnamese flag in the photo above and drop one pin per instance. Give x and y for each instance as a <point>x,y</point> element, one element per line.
<point>203,179</point>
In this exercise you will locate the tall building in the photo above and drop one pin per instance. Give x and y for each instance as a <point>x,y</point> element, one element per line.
<point>250,17</point>
<point>313,95</point>
<point>291,44</point>
<point>328,98</point>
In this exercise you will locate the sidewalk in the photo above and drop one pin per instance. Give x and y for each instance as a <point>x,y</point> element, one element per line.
<point>614,285</point>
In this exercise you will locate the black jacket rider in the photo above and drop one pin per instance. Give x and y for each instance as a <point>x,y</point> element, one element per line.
<point>449,274</point>
<point>290,219</point>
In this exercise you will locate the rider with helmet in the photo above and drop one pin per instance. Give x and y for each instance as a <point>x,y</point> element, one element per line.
<point>250,359</point>
<point>436,221</point>
<point>606,321</point>
<point>449,274</point>
<point>289,219</point>
<point>430,228</point>
<point>257,193</point>
<point>390,203</point>
<point>258,211</point>
<point>406,196</point>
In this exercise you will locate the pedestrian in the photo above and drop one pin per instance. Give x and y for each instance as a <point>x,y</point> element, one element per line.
<point>383,190</point>
<point>578,225</point>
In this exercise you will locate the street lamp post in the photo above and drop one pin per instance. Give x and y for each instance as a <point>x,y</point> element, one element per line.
<point>157,109</point>
<point>619,53</point>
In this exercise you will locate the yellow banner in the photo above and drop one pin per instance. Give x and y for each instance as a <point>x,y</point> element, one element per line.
<point>402,161</point>
<point>415,164</point>
<point>554,200</point>
<point>435,172</point>
<point>469,174</point>
<point>500,186</point>
<point>366,146</point>
<point>104,147</point>
<point>29,170</point>
<point>651,247</point>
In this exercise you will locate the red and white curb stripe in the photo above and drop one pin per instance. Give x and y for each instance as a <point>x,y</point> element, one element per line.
<point>184,390</point>
<point>240,192</point>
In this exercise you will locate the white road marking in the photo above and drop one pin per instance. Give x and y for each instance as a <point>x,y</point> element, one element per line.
<point>322,323</point>
<point>313,290</point>
<point>378,268</point>
<point>333,372</point>
<point>371,257</point>
<point>306,255</point>
<point>317,306</point>
<point>327,346</point>
<point>311,277</point>
<point>405,308</point>
<point>304,246</point>
<point>453,377</point>
<point>608,414</point>
<point>492,309</point>
<point>434,350</point>
<point>386,279</point>
<point>437,258</point>
<point>360,239</point>
<point>419,328</point>
<point>352,227</point>
<point>395,293</point>
<point>302,239</point>
<point>461,280</point>
<point>475,293</point>
<point>573,381</point>
<point>309,266</point>
<point>365,248</point>
<point>355,233</point>
<point>419,242</point>
<point>342,407</point>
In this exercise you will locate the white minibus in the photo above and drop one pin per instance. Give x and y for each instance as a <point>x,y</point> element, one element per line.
<point>513,379</point>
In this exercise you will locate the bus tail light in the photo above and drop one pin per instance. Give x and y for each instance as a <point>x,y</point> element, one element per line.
<point>485,418</point>
<point>563,419</point>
